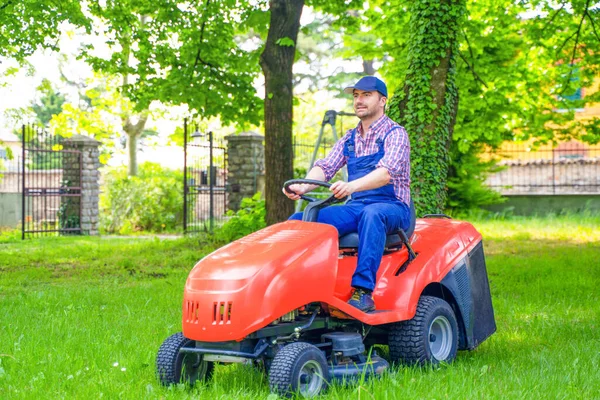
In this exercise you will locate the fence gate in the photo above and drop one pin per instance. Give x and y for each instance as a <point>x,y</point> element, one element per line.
<point>205,180</point>
<point>51,182</point>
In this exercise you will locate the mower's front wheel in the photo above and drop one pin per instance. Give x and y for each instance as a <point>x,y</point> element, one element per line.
<point>298,368</point>
<point>173,367</point>
<point>430,337</point>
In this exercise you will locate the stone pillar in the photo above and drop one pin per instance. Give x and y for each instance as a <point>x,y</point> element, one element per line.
<point>88,180</point>
<point>246,167</point>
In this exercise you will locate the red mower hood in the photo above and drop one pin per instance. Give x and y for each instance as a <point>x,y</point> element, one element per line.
<point>237,289</point>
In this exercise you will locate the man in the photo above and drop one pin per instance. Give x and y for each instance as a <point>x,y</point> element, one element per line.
<point>377,153</point>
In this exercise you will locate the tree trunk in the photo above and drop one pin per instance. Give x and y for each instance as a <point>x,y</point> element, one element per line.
<point>276,62</point>
<point>132,142</point>
<point>368,68</point>
<point>133,132</point>
<point>427,104</point>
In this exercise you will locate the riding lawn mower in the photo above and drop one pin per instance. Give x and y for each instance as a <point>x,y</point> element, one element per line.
<point>277,299</point>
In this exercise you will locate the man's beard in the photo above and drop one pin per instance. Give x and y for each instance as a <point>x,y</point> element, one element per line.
<point>364,112</point>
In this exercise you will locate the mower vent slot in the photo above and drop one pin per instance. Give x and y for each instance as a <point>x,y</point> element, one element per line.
<point>222,312</point>
<point>191,312</point>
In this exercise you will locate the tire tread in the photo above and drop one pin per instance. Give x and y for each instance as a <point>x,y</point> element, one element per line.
<point>280,373</point>
<point>165,360</point>
<point>405,338</point>
<point>169,373</point>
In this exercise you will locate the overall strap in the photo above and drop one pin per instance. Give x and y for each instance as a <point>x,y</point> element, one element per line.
<point>349,145</point>
<point>380,142</point>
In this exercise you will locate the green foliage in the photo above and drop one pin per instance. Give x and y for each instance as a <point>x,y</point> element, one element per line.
<point>151,201</point>
<point>49,103</point>
<point>467,190</point>
<point>182,54</point>
<point>249,218</point>
<point>519,99</point>
<point>26,25</point>
<point>300,172</point>
<point>512,72</point>
<point>285,42</point>
<point>68,213</point>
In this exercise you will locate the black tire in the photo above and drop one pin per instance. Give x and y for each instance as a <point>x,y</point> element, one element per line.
<point>430,337</point>
<point>299,368</point>
<point>173,367</point>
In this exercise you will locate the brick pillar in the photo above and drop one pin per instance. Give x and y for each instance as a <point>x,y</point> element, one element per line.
<point>89,181</point>
<point>246,167</point>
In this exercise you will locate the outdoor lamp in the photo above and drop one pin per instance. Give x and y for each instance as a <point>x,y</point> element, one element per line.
<point>198,134</point>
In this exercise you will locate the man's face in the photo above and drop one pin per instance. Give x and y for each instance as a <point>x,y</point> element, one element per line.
<point>368,104</point>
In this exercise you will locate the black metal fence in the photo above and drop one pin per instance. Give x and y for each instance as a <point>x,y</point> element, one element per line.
<point>40,188</point>
<point>303,151</point>
<point>568,168</point>
<point>51,184</point>
<point>205,180</point>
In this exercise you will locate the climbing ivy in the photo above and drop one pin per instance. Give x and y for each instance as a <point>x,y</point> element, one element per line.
<point>426,104</point>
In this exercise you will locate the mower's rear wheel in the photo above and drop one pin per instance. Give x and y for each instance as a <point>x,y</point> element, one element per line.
<point>174,367</point>
<point>430,337</point>
<point>298,368</point>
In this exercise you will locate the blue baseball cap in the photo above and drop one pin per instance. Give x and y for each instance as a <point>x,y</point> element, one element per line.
<point>368,84</point>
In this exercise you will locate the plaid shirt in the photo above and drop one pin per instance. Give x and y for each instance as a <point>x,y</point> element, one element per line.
<point>396,158</point>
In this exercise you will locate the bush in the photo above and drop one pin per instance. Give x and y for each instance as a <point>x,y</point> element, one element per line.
<point>467,190</point>
<point>151,201</point>
<point>249,218</point>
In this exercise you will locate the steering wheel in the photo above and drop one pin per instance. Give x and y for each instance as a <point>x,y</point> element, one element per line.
<point>330,200</point>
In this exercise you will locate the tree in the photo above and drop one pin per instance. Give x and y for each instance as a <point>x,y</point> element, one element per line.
<point>131,129</point>
<point>193,54</point>
<point>181,53</point>
<point>49,104</point>
<point>513,73</point>
<point>94,114</point>
<point>428,103</point>
<point>276,61</point>
<point>40,112</point>
<point>26,25</point>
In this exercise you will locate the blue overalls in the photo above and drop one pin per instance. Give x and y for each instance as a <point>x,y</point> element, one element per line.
<point>372,213</point>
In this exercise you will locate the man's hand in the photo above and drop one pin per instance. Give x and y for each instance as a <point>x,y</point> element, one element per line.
<point>316,173</point>
<point>342,189</point>
<point>298,189</point>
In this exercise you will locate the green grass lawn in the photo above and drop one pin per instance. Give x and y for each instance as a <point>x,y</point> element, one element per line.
<point>83,318</point>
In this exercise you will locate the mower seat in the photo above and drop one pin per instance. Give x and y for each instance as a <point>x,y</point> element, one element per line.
<point>350,240</point>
